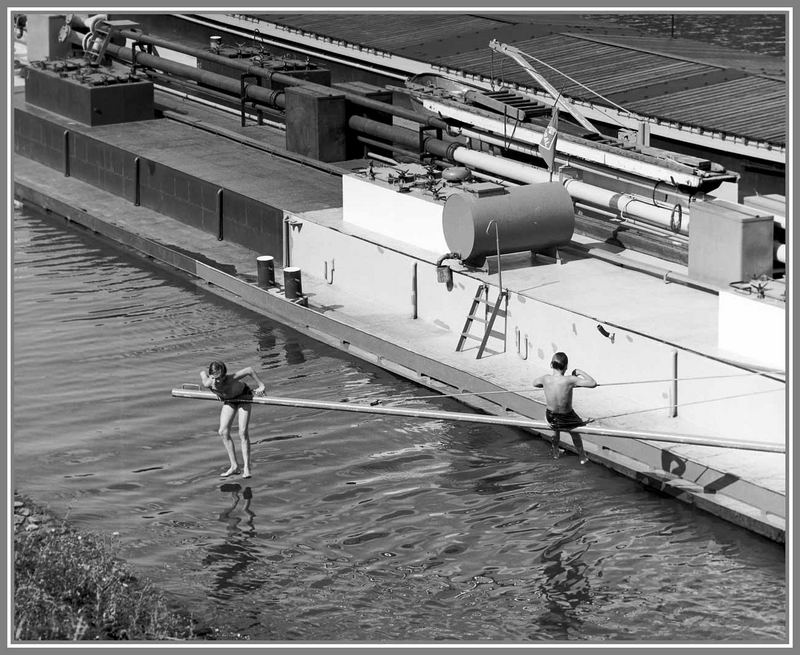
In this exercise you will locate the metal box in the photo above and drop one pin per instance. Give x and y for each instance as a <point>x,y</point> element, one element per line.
<point>315,124</point>
<point>96,98</point>
<point>729,242</point>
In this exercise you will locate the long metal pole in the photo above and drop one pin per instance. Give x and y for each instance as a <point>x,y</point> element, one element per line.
<point>283,78</point>
<point>194,392</point>
<point>246,67</point>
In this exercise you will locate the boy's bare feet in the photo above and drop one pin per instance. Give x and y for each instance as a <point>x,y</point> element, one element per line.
<point>246,473</point>
<point>233,470</point>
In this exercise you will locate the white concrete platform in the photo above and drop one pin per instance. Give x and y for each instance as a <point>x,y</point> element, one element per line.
<point>556,306</point>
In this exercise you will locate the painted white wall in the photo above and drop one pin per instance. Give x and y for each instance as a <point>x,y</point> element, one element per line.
<point>753,328</point>
<point>747,403</point>
<point>407,217</point>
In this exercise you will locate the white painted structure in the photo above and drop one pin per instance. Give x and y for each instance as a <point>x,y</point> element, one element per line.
<point>754,328</point>
<point>406,217</point>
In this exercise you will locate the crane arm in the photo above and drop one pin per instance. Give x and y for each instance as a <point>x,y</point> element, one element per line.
<point>518,56</point>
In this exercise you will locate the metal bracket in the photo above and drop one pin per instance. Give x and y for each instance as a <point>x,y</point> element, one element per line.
<point>245,81</point>
<point>423,129</point>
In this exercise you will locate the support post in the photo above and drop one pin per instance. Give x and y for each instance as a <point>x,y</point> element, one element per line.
<point>414,301</point>
<point>137,181</point>
<point>287,253</point>
<point>673,390</point>
<point>219,214</point>
<point>497,242</point>
<point>66,153</point>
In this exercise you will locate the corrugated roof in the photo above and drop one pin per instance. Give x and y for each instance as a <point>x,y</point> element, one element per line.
<point>679,81</point>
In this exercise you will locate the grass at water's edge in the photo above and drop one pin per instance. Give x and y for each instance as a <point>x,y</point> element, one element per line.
<point>70,585</point>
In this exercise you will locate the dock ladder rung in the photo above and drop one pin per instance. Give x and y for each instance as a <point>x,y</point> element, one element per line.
<point>488,323</point>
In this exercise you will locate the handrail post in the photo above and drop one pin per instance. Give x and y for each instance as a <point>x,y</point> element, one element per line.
<point>414,297</point>
<point>66,153</point>
<point>137,182</point>
<point>219,214</point>
<point>673,390</point>
<point>497,245</point>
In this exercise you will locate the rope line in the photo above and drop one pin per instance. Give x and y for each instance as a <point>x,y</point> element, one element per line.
<point>602,384</point>
<point>694,402</point>
<point>583,86</point>
<point>702,377</point>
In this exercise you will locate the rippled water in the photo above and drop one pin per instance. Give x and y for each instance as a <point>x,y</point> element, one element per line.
<point>759,33</point>
<point>367,529</point>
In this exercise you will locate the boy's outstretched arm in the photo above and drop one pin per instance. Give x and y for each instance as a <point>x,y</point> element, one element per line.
<point>249,370</point>
<point>584,379</point>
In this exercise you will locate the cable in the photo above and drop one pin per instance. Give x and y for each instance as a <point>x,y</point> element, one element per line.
<point>694,402</point>
<point>602,384</point>
<point>704,377</point>
<point>583,86</point>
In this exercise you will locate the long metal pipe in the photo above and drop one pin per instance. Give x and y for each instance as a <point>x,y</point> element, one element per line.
<point>281,78</point>
<point>194,392</point>
<point>267,97</point>
<point>626,204</point>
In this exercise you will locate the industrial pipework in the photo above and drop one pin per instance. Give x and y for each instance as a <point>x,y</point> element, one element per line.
<point>626,206</point>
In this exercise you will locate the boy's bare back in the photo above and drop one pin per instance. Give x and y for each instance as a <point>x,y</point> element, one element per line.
<point>558,392</point>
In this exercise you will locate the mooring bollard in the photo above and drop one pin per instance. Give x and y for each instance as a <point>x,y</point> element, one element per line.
<point>292,285</point>
<point>266,271</point>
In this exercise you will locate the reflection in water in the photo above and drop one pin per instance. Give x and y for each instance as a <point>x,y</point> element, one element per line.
<point>564,584</point>
<point>232,558</point>
<point>294,353</point>
<point>267,342</point>
<point>232,519</point>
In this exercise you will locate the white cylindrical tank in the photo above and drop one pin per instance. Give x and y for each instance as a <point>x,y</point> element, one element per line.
<point>530,217</point>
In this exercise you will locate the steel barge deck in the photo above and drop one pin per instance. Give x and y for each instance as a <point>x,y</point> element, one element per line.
<point>373,316</point>
<point>670,342</point>
<point>702,95</point>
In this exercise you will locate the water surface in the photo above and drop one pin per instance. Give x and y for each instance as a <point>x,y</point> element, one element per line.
<point>755,32</point>
<point>353,527</point>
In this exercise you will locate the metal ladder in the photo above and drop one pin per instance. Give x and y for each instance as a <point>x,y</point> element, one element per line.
<point>481,299</point>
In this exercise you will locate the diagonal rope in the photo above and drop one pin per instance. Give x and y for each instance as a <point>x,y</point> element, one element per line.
<point>583,86</point>
<point>602,384</point>
<point>694,402</point>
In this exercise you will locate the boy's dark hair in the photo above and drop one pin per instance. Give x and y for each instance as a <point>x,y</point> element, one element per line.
<point>559,361</point>
<point>217,368</point>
